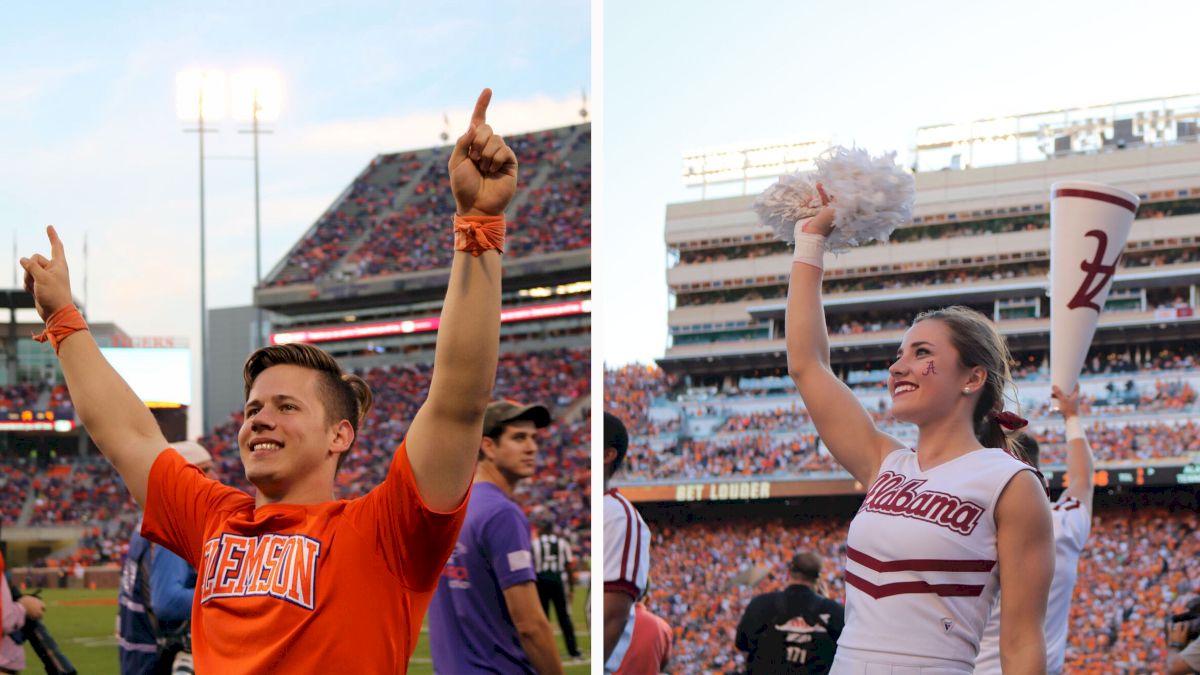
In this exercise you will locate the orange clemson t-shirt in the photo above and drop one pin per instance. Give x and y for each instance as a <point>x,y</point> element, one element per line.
<point>336,587</point>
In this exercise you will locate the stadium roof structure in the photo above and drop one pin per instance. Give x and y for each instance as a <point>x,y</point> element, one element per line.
<point>729,284</point>
<point>335,294</point>
<point>16,298</point>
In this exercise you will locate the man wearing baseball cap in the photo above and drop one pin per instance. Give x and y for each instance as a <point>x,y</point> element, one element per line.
<point>486,615</point>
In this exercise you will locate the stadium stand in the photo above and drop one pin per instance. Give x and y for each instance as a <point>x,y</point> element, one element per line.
<point>1140,565</point>
<point>742,432</point>
<point>18,397</point>
<point>392,218</point>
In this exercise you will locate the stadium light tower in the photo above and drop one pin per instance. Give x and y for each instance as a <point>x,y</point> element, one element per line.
<point>200,96</point>
<point>257,97</point>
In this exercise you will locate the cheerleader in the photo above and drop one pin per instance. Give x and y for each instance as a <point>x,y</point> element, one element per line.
<point>944,524</point>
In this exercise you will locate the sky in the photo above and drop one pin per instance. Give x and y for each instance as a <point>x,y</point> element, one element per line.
<point>90,142</point>
<point>682,76</point>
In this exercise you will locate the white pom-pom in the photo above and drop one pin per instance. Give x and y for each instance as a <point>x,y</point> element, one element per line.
<point>871,196</point>
<point>793,197</point>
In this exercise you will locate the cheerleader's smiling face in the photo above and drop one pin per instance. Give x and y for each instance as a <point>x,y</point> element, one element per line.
<point>928,381</point>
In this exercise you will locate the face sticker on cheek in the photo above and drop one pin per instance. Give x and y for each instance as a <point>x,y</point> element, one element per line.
<point>929,369</point>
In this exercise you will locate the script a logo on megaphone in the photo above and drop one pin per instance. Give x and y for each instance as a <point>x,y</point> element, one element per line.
<point>1095,268</point>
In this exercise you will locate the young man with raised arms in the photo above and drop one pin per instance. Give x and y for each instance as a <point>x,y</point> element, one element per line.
<point>292,580</point>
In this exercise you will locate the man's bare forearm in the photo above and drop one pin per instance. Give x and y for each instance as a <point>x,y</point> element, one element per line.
<point>468,341</point>
<point>538,643</point>
<point>444,438</point>
<point>116,419</point>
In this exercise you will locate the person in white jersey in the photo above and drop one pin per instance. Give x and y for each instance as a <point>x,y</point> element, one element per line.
<point>1072,519</point>
<point>944,524</point>
<point>626,551</point>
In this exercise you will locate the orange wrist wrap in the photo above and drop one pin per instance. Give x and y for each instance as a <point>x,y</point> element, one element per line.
<point>60,325</point>
<point>476,234</point>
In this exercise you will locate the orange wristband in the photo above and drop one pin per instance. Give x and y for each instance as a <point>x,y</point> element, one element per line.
<point>60,325</point>
<point>476,234</point>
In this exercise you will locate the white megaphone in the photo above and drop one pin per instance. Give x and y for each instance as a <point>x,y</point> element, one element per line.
<point>1089,224</point>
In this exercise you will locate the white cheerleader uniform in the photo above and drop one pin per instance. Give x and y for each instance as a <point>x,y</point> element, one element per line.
<point>921,565</point>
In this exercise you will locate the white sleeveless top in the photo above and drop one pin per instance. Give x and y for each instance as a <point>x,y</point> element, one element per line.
<point>921,567</point>
<point>1072,524</point>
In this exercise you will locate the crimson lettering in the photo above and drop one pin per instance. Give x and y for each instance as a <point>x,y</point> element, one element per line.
<point>895,494</point>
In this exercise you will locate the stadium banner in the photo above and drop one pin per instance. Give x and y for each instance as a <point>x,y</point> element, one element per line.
<point>50,424</point>
<point>758,490</point>
<point>1150,476</point>
<point>749,490</point>
<point>407,326</point>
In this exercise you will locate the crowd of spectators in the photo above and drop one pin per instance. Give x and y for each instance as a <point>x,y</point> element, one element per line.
<point>971,228</point>
<point>695,570</point>
<point>1174,256</point>
<point>744,456</point>
<point>936,231</point>
<point>779,441</point>
<point>85,490</point>
<point>1160,396</point>
<point>628,392</point>
<point>758,249</point>
<point>1148,361</point>
<point>18,397</point>
<point>912,279</point>
<point>848,326</point>
<point>1122,443</point>
<point>394,219</point>
<point>555,216</point>
<point>336,231</point>
<point>766,454</point>
<point>16,479</point>
<point>414,236</point>
<point>780,419</point>
<point>1140,566</point>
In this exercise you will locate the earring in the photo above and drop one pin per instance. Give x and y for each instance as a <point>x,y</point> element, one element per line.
<point>966,390</point>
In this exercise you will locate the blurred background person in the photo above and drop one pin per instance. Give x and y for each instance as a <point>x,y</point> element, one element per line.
<point>795,630</point>
<point>154,603</point>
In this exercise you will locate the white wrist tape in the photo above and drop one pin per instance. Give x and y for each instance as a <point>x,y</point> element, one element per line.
<point>1074,427</point>
<point>810,248</point>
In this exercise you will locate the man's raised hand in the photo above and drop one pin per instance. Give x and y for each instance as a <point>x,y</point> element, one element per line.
<point>48,280</point>
<point>483,169</point>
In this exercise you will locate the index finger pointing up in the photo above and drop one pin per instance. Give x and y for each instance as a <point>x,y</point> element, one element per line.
<point>480,115</point>
<point>56,245</point>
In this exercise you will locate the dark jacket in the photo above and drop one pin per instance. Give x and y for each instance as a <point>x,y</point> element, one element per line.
<point>793,631</point>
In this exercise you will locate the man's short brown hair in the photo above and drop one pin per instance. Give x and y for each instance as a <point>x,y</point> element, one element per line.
<point>806,564</point>
<point>345,396</point>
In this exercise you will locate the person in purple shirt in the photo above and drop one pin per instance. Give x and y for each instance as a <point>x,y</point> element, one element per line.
<point>485,615</point>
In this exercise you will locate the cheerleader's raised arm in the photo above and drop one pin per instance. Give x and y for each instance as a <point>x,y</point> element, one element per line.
<point>842,422</point>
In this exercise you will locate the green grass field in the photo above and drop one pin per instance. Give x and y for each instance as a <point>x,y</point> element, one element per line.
<point>83,622</point>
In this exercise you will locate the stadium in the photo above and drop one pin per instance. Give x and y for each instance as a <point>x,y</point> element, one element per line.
<point>365,282</point>
<point>727,469</point>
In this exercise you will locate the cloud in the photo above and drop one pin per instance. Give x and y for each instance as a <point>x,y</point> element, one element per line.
<point>24,86</point>
<point>422,129</point>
